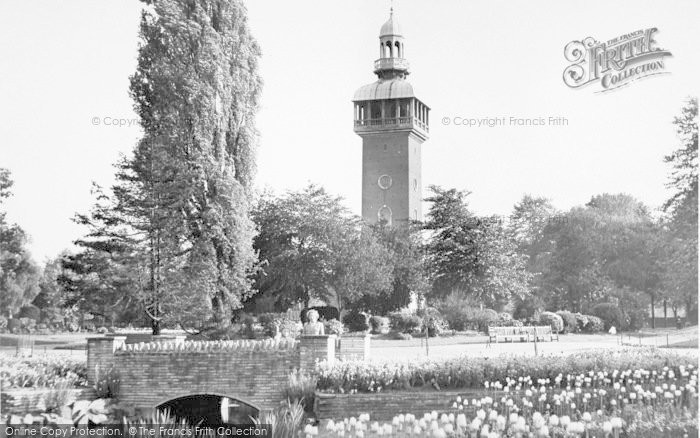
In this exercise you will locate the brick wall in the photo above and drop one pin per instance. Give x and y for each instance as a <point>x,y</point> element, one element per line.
<point>253,372</point>
<point>316,348</point>
<point>257,378</point>
<point>100,355</point>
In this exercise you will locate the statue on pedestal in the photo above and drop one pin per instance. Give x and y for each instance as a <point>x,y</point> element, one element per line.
<point>313,327</point>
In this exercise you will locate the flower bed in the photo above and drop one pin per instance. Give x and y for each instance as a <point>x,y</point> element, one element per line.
<point>613,403</point>
<point>42,371</point>
<point>465,372</point>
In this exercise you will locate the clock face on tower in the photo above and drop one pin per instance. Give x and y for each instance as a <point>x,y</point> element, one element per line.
<point>384,182</point>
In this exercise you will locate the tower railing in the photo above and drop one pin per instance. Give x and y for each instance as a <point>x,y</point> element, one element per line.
<point>390,123</point>
<point>391,63</point>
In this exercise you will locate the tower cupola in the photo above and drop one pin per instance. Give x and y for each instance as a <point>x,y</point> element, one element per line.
<point>391,62</point>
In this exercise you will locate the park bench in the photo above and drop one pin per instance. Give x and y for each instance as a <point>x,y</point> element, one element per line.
<point>522,334</point>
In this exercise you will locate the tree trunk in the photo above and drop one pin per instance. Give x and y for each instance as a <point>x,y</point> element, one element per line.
<point>653,312</point>
<point>665,311</point>
<point>155,327</point>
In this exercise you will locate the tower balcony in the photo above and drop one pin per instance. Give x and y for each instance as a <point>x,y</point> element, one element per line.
<point>366,126</point>
<point>404,113</point>
<point>383,64</point>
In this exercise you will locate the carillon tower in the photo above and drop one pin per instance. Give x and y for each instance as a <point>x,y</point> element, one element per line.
<point>393,125</point>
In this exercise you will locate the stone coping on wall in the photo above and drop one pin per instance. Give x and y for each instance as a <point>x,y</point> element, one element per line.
<point>210,346</point>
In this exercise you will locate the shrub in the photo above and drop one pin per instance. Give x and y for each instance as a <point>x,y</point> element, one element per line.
<point>457,310</point>
<point>300,388</point>
<point>433,322</point>
<point>269,323</point>
<point>379,324</point>
<point>28,325</point>
<point>569,319</point>
<point>528,308</point>
<point>325,313</point>
<point>274,323</point>
<point>248,327</point>
<point>581,322</point>
<point>356,321</point>
<point>610,314</point>
<point>405,322</point>
<point>504,317</point>
<point>511,323</point>
<point>462,313</point>
<point>14,325</point>
<point>41,371</point>
<point>29,311</point>
<point>402,336</point>
<point>3,323</point>
<point>484,319</point>
<point>635,318</point>
<point>553,320</point>
<point>51,315</point>
<point>506,320</point>
<point>595,324</point>
<point>333,327</point>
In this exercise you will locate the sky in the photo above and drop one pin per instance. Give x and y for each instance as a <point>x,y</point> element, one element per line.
<point>66,115</point>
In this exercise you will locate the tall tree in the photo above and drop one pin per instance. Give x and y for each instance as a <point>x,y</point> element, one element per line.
<point>19,275</point>
<point>591,252</point>
<point>526,226</point>
<point>404,246</point>
<point>681,278</point>
<point>470,254</point>
<point>51,293</point>
<point>363,269</point>
<point>178,217</point>
<point>311,247</point>
<point>528,220</point>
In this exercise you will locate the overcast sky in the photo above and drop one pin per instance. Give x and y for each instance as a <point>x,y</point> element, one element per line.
<point>64,63</point>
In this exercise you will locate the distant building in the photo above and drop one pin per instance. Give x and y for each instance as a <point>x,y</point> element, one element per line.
<point>393,125</point>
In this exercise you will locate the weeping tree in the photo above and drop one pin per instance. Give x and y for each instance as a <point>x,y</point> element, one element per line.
<point>177,219</point>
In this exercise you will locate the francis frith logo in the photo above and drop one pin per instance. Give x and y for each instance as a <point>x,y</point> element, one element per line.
<point>614,63</point>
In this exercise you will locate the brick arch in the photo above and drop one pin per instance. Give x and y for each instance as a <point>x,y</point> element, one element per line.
<point>183,394</point>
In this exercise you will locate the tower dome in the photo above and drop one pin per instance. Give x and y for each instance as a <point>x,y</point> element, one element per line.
<point>392,62</point>
<point>391,27</point>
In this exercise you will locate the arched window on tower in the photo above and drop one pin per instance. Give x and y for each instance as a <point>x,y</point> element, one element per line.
<point>389,52</point>
<point>398,50</point>
<point>384,215</point>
